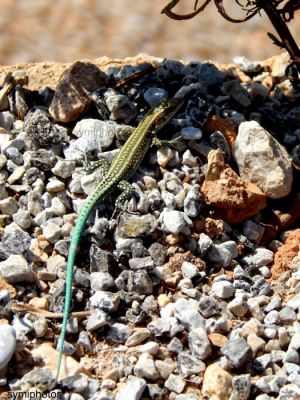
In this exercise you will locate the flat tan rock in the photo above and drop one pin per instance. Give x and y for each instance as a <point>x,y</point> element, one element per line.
<point>48,355</point>
<point>233,198</point>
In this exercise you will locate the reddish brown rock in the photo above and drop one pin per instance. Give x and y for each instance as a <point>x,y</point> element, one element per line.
<point>224,125</point>
<point>73,93</point>
<point>285,254</point>
<point>233,198</point>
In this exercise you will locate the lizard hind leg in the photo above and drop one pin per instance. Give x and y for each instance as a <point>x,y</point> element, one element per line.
<point>102,163</point>
<point>126,193</point>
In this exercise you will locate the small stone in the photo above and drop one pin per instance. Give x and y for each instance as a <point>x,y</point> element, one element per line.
<point>175,346</point>
<point>291,356</point>
<point>101,281</point>
<point>176,222</point>
<point>105,301</point>
<point>73,95</point>
<point>294,302</point>
<point>9,206</point>
<point>191,133</point>
<point>242,385</point>
<point>23,219</point>
<point>6,120</point>
<point>138,263</point>
<point>256,343</point>
<point>145,367</point>
<point>238,352</point>
<point>175,383</point>
<point>150,348</point>
<point>217,383</point>
<point>287,315</point>
<point>260,257</point>
<point>199,343</point>
<point>16,241</point>
<point>139,335</point>
<point>272,318</point>
<point>165,368</point>
<point>204,243</point>
<point>187,315</point>
<point>155,95</point>
<point>52,232</point>
<point>193,202</point>
<point>238,306</point>
<point>189,270</point>
<point>223,289</point>
<point>253,231</point>
<point>16,269</point>
<point>290,391</point>
<point>189,364</point>
<point>132,390</point>
<point>118,333</point>
<point>7,344</point>
<point>295,342</point>
<point>96,320</point>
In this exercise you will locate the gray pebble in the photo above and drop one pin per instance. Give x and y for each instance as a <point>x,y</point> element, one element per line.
<point>96,320</point>
<point>155,95</point>
<point>16,269</point>
<point>189,364</point>
<point>238,352</point>
<point>118,333</point>
<point>199,343</point>
<point>204,243</point>
<point>133,389</point>
<point>223,289</point>
<point>105,301</point>
<point>187,315</point>
<point>175,383</point>
<point>6,120</point>
<point>176,222</point>
<point>260,257</point>
<point>7,344</point>
<point>191,133</point>
<point>23,219</point>
<point>219,254</point>
<point>15,241</point>
<point>101,281</point>
<point>193,202</point>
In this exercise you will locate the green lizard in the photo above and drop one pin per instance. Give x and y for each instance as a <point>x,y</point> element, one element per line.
<point>122,168</point>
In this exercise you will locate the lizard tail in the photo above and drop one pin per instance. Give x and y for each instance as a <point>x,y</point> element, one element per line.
<point>80,225</point>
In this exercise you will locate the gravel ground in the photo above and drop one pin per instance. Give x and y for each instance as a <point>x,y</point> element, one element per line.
<point>193,292</point>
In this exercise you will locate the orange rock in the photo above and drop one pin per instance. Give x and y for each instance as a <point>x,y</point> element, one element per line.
<point>217,339</point>
<point>74,90</point>
<point>224,125</point>
<point>234,199</point>
<point>6,286</point>
<point>285,254</point>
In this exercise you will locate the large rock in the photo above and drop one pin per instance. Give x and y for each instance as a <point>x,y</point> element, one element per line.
<point>74,90</point>
<point>234,199</point>
<point>262,160</point>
